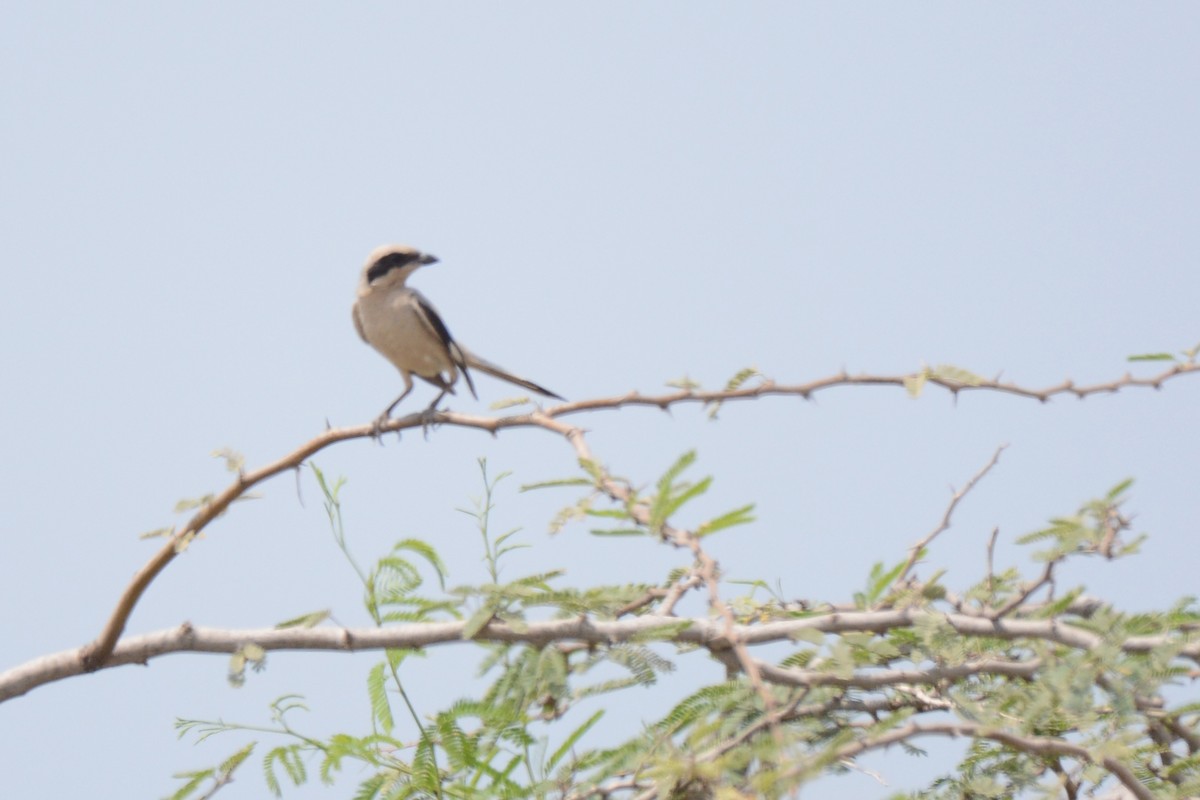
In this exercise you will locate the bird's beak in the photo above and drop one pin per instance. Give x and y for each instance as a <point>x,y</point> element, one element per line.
<point>426,258</point>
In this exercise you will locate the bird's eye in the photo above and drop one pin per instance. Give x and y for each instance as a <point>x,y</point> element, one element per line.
<point>388,263</point>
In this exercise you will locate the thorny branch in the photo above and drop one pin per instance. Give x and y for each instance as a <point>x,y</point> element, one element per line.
<point>94,654</point>
<point>706,571</point>
<point>727,640</point>
<point>956,498</point>
<point>699,631</point>
<point>1027,590</point>
<point>1038,745</point>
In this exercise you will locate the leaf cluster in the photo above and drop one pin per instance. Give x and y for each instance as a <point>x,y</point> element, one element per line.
<point>1045,712</point>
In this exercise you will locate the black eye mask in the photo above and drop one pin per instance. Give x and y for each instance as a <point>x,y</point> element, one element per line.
<point>390,262</point>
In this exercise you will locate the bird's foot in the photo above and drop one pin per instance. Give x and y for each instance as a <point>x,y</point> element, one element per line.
<point>377,427</point>
<point>428,419</point>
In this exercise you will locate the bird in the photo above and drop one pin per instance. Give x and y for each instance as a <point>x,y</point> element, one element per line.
<point>405,328</point>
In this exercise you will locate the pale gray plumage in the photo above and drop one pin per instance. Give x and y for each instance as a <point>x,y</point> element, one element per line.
<point>406,330</point>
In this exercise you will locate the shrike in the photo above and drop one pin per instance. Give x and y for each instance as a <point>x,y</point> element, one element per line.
<point>406,330</point>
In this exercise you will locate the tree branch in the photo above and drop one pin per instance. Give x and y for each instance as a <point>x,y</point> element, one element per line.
<point>94,655</point>
<point>1034,745</point>
<point>704,632</point>
<point>915,551</point>
<point>877,679</point>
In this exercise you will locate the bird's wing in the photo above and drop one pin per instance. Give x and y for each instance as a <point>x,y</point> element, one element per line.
<point>433,323</point>
<point>358,322</point>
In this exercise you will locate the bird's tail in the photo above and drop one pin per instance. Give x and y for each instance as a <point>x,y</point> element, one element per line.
<point>483,365</point>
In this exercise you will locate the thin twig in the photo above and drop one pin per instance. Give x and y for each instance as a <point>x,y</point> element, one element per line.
<point>1034,745</point>
<point>991,564</point>
<point>915,552</point>
<point>807,390</point>
<point>1046,578</point>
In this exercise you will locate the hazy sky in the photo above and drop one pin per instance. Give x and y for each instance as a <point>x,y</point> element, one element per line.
<point>621,194</point>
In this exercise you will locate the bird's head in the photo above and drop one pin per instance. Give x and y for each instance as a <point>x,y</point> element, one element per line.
<point>391,264</point>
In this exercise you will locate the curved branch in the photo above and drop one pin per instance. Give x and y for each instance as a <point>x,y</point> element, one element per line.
<point>1034,745</point>
<point>878,679</point>
<point>930,378</point>
<point>94,655</point>
<point>714,634</point>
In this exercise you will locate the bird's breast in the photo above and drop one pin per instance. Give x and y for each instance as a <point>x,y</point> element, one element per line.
<point>392,325</point>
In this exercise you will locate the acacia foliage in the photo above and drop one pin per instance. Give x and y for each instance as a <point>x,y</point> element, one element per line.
<point>1058,694</point>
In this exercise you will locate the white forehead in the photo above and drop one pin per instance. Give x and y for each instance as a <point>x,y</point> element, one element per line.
<point>391,249</point>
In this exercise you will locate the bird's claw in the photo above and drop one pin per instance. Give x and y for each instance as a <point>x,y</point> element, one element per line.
<point>427,420</point>
<point>377,428</point>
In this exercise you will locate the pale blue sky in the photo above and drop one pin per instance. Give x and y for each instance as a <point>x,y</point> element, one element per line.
<point>620,194</point>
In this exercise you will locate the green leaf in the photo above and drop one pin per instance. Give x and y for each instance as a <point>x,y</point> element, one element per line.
<point>293,765</point>
<point>607,513</point>
<point>675,470</point>
<point>502,550</point>
<point>269,771</point>
<point>810,635</point>
<point>157,532</point>
<point>235,760</point>
<point>381,707</point>
<point>685,383</point>
<point>734,383</point>
<point>1059,606</point>
<point>310,620</point>
<point>572,739</point>
<point>425,770</point>
<point>741,377</point>
<point>539,579</point>
<point>189,503</point>
<point>477,621</point>
<point>1119,489</point>
<point>529,487</point>
<point>509,402</point>
<point>914,384</point>
<point>184,540</point>
<point>879,581</point>
<point>955,374</point>
<point>593,469</point>
<point>659,509</point>
<point>738,516</point>
<point>676,502</point>
<point>664,632</point>
<point>617,532</point>
<point>234,461</point>
<point>330,492</point>
<point>1153,357</point>
<point>249,653</point>
<point>194,779</point>
<point>426,552</point>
